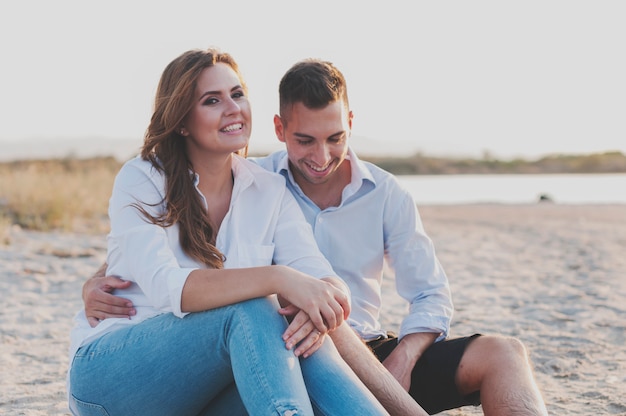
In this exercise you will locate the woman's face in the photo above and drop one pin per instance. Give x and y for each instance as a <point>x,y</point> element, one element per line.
<point>220,120</point>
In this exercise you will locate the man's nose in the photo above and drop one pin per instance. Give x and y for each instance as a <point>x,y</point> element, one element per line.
<point>322,155</point>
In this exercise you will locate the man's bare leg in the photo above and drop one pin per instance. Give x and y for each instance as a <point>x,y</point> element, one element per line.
<point>373,374</point>
<point>499,367</point>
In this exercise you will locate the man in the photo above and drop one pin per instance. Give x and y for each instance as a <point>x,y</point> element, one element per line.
<point>361,218</point>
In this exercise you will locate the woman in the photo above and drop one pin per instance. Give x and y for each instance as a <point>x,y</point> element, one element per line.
<point>208,238</point>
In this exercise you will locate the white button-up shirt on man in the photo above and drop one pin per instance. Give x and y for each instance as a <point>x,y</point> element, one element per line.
<point>377,221</point>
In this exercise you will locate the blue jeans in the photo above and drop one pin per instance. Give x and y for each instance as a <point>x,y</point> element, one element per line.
<point>171,366</point>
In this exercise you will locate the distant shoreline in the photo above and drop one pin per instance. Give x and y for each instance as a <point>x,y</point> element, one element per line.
<point>419,164</point>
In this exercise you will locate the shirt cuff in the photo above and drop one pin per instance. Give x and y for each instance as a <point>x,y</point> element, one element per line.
<point>419,324</point>
<point>175,282</point>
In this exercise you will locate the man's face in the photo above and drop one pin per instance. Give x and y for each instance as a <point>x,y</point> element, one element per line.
<point>316,140</point>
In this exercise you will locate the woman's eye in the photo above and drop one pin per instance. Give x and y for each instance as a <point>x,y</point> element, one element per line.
<point>210,101</point>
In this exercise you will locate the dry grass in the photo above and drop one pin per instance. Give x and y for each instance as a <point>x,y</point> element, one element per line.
<point>58,194</point>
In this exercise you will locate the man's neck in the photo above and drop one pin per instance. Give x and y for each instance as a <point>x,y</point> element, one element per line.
<point>327,194</point>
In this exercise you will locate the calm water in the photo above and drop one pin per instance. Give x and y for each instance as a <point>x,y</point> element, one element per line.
<point>512,189</point>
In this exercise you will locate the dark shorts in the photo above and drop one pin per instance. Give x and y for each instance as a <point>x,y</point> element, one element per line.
<point>433,379</point>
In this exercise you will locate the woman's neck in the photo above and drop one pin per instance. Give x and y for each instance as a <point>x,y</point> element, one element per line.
<point>215,174</point>
<point>216,183</point>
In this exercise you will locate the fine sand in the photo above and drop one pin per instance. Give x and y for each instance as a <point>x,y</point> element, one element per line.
<point>552,275</point>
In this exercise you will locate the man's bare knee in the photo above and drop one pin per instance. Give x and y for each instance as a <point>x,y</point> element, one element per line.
<point>489,354</point>
<point>509,349</point>
<point>496,347</point>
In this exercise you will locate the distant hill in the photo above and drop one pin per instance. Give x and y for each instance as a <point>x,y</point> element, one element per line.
<point>419,164</point>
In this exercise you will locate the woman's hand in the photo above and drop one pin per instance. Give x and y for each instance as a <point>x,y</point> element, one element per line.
<point>326,304</point>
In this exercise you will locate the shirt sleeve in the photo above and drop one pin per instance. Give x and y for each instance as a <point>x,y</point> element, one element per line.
<point>140,249</point>
<point>420,278</point>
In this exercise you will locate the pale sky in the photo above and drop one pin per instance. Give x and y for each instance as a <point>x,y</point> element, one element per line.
<point>523,78</point>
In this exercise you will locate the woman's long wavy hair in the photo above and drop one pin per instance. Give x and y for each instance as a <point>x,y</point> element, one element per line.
<point>165,148</point>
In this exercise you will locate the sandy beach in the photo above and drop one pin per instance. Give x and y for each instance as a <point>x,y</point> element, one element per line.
<point>552,275</point>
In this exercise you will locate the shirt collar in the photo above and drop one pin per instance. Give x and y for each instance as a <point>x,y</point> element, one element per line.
<point>360,174</point>
<point>242,172</point>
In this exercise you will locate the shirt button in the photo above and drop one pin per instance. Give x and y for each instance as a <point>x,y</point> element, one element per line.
<point>320,220</point>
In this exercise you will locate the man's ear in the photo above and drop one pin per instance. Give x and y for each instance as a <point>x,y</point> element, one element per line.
<point>278,128</point>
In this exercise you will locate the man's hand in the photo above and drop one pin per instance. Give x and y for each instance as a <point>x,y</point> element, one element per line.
<point>301,332</point>
<point>403,358</point>
<point>101,304</point>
